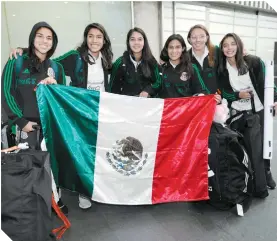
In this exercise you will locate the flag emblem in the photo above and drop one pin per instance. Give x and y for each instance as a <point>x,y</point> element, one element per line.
<point>127,156</point>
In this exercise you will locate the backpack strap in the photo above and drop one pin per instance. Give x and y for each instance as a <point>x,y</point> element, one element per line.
<point>163,67</point>
<point>252,103</point>
<point>66,223</point>
<point>79,64</point>
<point>55,67</point>
<point>124,65</point>
<point>18,64</point>
<point>79,68</point>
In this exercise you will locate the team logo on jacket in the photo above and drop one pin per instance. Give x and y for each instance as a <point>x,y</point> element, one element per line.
<point>51,73</point>
<point>127,156</point>
<point>184,76</point>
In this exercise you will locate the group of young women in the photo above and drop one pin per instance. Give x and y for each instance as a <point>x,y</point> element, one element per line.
<point>203,69</point>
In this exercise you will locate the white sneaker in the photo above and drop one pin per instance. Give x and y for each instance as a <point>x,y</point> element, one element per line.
<point>84,203</point>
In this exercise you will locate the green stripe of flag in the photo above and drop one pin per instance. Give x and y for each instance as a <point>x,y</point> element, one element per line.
<point>73,169</point>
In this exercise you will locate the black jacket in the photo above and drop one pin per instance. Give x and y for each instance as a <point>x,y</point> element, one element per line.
<point>257,76</point>
<point>208,73</point>
<point>128,80</point>
<point>176,84</point>
<point>18,95</point>
<point>77,69</point>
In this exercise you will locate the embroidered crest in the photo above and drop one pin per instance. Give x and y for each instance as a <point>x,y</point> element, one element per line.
<point>127,156</point>
<point>51,73</point>
<point>184,76</point>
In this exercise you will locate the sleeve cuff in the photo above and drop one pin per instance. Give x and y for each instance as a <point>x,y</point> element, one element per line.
<point>237,95</point>
<point>149,90</point>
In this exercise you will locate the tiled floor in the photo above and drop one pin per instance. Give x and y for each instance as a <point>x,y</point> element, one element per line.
<point>173,221</point>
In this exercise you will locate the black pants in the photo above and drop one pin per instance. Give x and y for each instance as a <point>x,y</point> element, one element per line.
<point>266,161</point>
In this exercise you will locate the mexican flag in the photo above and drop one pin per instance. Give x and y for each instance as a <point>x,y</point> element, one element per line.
<point>127,150</point>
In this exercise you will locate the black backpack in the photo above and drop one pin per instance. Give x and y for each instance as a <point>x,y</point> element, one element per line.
<point>249,126</point>
<point>230,174</point>
<point>26,196</point>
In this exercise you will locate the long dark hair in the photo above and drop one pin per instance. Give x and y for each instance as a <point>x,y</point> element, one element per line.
<point>35,61</point>
<point>209,44</point>
<point>241,65</point>
<point>106,51</point>
<point>147,61</point>
<point>185,62</point>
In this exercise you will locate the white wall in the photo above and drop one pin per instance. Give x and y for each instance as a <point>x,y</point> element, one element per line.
<point>258,32</point>
<point>5,46</point>
<point>187,16</point>
<point>68,19</point>
<point>146,16</point>
<point>266,36</point>
<point>117,19</point>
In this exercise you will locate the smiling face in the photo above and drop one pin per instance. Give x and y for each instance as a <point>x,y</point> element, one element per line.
<point>43,41</point>
<point>95,40</point>
<point>229,47</point>
<point>198,39</point>
<point>174,50</point>
<point>136,42</point>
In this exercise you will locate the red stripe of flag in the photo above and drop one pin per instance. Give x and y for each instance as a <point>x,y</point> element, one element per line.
<point>181,166</point>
